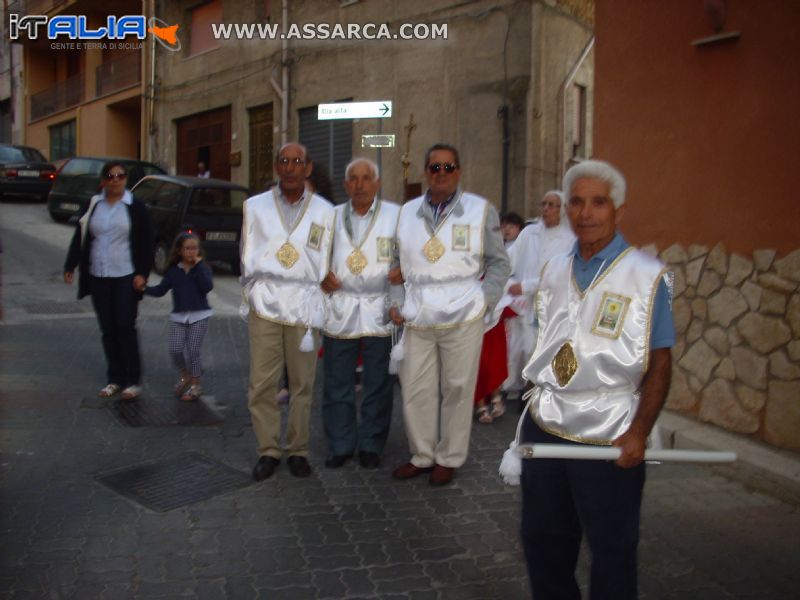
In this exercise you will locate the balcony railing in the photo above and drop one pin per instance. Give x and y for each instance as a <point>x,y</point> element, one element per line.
<point>62,95</point>
<point>118,74</point>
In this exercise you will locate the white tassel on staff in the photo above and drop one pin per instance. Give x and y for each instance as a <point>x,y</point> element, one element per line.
<point>612,453</point>
<point>511,464</point>
<point>307,344</point>
<point>398,351</point>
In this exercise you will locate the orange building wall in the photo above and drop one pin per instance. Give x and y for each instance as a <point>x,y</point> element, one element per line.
<point>707,137</point>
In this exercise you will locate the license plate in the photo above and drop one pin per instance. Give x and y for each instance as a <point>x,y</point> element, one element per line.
<point>27,173</point>
<point>221,236</point>
<point>70,206</point>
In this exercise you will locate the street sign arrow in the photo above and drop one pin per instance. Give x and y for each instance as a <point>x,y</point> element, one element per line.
<point>355,110</point>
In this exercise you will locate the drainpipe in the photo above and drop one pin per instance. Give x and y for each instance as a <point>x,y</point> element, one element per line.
<point>282,90</point>
<point>502,114</point>
<point>562,103</point>
<point>151,91</point>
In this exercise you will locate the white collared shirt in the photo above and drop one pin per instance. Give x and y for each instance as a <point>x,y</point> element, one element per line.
<point>110,226</point>
<point>291,211</point>
<point>358,225</point>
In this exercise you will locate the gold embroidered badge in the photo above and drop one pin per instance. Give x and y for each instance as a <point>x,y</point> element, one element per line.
<point>356,262</point>
<point>565,364</point>
<point>433,249</point>
<point>287,255</point>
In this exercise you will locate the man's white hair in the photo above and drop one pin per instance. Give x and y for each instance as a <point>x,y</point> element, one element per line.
<point>287,144</point>
<point>596,169</point>
<point>372,167</point>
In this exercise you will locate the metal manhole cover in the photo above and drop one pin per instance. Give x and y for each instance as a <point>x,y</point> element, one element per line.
<point>179,481</point>
<point>150,411</point>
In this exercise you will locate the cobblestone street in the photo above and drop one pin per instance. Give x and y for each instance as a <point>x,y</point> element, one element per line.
<point>348,533</point>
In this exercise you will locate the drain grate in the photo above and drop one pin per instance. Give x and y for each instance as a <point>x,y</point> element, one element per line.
<point>179,481</point>
<point>164,412</point>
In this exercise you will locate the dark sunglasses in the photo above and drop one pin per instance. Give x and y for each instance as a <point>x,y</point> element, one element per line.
<point>436,167</point>
<point>117,176</point>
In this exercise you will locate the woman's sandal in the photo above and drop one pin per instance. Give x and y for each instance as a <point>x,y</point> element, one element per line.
<point>498,407</point>
<point>110,390</point>
<point>182,385</point>
<point>483,415</point>
<point>193,393</point>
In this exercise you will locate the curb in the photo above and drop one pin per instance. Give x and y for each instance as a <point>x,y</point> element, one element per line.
<point>771,470</point>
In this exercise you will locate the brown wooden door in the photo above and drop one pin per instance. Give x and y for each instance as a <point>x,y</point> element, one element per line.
<point>261,150</point>
<point>207,137</point>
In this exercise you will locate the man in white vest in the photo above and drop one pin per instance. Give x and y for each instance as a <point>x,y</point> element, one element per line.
<point>358,321</point>
<point>286,242</point>
<point>455,266</point>
<point>601,368</point>
<point>535,245</point>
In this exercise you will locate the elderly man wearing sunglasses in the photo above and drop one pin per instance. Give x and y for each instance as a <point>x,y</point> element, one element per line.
<point>454,265</point>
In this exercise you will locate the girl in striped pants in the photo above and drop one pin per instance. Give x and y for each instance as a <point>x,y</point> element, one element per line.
<point>190,280</point>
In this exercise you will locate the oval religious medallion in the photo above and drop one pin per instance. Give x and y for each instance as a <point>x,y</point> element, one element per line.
<point>287,255</point>
<point>433,249</point>
<point>565,364</point>
<point>356,262</point>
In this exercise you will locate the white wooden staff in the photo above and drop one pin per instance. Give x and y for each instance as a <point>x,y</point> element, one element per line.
<point>613,453</point>
<point>511,465</point>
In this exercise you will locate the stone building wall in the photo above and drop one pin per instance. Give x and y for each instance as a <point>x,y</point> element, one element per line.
<point>737,356</point>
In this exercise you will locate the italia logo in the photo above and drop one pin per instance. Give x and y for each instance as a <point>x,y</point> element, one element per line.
<point>75,27</point>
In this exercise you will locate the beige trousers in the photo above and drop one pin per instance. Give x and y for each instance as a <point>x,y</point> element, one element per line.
<point>438,376</point>
<point>270,345</point>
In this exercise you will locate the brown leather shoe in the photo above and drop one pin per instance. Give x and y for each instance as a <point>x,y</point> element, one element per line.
<point>441,475</point>
<point>409,470</point>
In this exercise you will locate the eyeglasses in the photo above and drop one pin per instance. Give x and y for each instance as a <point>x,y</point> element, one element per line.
<point>436,167</point>
<point>284,162</point>
<point>548,204</point>
<point>117,176</point>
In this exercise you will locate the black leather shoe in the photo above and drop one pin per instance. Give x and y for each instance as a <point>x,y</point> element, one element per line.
<point>334,461</point>
<point>369,460</point>
<point>265,467</point>
<point>298,466</point>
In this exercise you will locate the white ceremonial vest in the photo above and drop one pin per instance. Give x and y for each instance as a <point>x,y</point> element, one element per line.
<point>608,328</point>
<point>446,291</point>
<point>360,307</point>
<point>285,267</point>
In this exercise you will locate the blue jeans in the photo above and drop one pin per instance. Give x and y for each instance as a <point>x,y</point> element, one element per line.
<point>344,432</point>
<point>561,500</point>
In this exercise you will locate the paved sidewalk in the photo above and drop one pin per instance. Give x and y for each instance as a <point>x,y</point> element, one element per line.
<point>348,533</point>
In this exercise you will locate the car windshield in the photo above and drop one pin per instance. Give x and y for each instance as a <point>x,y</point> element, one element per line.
<point>217,201</point>
<point>14,154</point>
<point>82,166</point>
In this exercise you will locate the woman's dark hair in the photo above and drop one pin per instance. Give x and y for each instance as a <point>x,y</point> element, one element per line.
<point>106,168</point>
<point>512,218</point>
<point>110,165</point>
<point>180,240</point>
